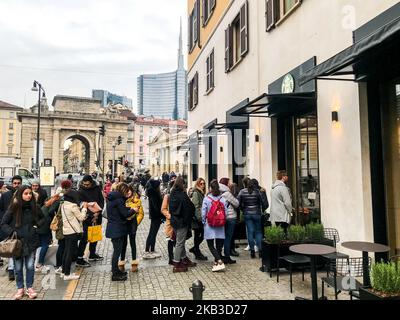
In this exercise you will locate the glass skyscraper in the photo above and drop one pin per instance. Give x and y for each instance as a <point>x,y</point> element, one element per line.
<point>111,98</point>
<point>164,95</point>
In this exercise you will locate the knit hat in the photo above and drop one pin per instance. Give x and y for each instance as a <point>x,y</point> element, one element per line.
<point>35,181</point>
<point>66,184</point>
<point>224,181</point>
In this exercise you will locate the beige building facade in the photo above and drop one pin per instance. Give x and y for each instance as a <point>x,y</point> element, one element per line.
<point>10,137</point>
<point>260,72</point>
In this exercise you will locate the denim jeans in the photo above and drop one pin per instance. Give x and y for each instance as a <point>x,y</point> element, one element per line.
<point>254,229</point>
<point>229,231</point>
<point>44,246</point>
<point>29,262</point>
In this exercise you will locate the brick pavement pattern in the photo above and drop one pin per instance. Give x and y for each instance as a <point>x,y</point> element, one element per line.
<point>155,279</point>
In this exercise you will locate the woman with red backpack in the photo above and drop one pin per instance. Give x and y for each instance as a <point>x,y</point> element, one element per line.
<point>214,217</point>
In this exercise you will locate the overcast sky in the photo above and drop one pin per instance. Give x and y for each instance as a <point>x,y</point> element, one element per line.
<point>74,46</point>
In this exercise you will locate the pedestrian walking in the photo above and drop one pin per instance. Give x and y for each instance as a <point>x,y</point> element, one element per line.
<point>23,217</point>
<point>197,198</point>
<point>39,192</point>
<point>72,218</point>
<point>182,211</point>
<point>281,201</point>
<point>215,207</point>
<point>118,214</point>
<point>155,201</point>
<point>231,217</point>
<point>251,203</point>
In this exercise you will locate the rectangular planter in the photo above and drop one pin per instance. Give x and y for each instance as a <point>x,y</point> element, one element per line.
<point>369,295</point>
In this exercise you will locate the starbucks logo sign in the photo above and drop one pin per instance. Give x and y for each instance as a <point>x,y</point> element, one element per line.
<point>288,84</point>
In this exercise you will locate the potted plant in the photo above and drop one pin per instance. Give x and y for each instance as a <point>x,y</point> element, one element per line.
<point>315,232</point>
<point>296,233</point>
<point>385,282</point>
<point>273,246</point>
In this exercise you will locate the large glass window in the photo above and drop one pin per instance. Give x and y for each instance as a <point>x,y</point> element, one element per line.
<point>308,198</point>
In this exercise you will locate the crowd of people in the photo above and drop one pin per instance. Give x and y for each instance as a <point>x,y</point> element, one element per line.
<point>203,212</point>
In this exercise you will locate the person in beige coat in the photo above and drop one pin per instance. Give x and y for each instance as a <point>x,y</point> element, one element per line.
<point>72,217</point>
<point>169,231</point>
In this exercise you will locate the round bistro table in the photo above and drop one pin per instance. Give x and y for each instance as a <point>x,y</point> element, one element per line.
<point>365,247</point>
<point>313,250</point>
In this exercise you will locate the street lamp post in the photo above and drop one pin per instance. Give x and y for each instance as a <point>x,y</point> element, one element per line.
<point>38,87</point>
<point>113,162</point>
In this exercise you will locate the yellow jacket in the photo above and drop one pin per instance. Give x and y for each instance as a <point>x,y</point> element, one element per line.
<point>135,203</point>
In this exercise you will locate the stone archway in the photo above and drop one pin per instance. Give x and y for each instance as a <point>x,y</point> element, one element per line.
<point>80,155</point>
<point>88,141</point>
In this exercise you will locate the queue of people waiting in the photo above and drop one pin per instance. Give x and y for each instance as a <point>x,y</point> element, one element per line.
<point>202,213</point>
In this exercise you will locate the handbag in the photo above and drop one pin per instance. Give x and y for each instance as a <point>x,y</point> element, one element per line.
<point>95,233</point>
<point>11,247</point>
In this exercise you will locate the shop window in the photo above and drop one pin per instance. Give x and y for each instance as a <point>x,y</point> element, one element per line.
<point>237,39</point>
<point>208,9</point>
<point>193,92</point>
<point>210,71</point>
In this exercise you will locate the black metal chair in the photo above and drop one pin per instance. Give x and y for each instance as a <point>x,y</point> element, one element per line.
<point>297,260</point>
<point>333,234</point>
<point>342,274</point>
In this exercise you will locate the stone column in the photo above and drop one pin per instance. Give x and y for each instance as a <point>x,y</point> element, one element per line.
<point>56,150</point>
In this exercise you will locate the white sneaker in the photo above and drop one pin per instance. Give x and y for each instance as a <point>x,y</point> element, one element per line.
<point>45,269</point>
<point>218,267</point>
<point>255,248</point>
<point>59,270</point>
<point>38,268</point>
<point>247,248</point>
<point>72,276</point>
<point>156,254</point>
<point>148,255</point>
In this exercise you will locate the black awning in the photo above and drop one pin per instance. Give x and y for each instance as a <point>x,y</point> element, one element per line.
<point>352,61</point>
<point>279,105</point>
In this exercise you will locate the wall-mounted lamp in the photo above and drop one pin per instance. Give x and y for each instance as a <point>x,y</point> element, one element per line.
<point>335,116</point>
<point>257,138</point>
<point>221,149</point>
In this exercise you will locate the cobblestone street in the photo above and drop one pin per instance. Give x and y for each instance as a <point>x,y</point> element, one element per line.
<point>155,279</point>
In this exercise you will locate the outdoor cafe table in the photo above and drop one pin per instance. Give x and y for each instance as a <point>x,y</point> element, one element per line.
<point>313,250</point>
<point>365,247</point>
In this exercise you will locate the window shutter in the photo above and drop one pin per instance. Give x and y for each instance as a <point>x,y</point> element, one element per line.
<point>212,4</point>
<point>212,69</point>
<point>196,89</point>
<point>272,13</point>
<point>198,21</point>
<point>205,12</point>
<point>244,29</point>
<point>208,72</point>
<point>194,23</point>
<point>190,33</point>
<point>190,96</point>
<point>227,49</point>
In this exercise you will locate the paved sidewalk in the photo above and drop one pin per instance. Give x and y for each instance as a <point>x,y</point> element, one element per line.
<point>155,279</point>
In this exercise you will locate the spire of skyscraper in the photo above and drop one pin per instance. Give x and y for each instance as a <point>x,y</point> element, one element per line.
<point>180,53</point>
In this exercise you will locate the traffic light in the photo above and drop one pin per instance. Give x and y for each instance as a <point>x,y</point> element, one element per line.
<point>97,163</point>
<point>119,141</point>
<point>102,130</point>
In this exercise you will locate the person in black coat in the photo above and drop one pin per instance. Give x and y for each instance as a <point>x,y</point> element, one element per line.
<point>89,192</point>
<point>40,192</point>
<point>117,230</point>
<point>182,211</point>
<point>5,201</point>
<point>155,201</point>
<point>23,217</point>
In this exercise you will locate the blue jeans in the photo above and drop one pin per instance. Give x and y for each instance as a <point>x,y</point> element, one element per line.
<point>254,229</point>
<point>229,231</point>
<point>29,262</point>
<point>44,246</point>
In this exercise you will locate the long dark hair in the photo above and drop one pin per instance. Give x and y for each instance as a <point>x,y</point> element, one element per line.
<point>214,185</point>
<point>17,204</point>
<point>179,184</point>
<point>251,186</point>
